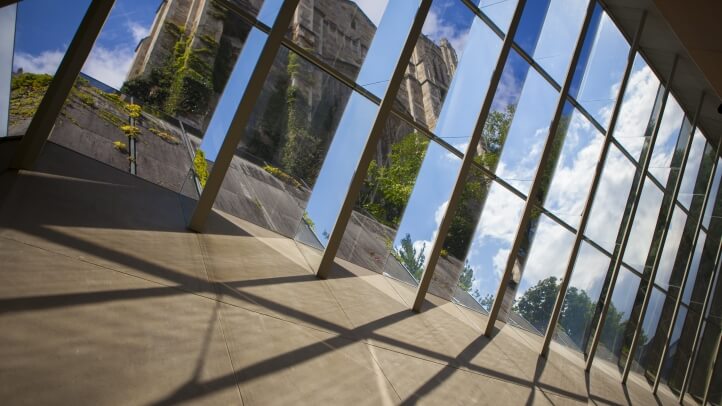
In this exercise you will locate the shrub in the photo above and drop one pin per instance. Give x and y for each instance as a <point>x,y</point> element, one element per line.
<point>130,130</point>
<point>200,167</point>
<point>133,110</point>
<point>167,137</point>
<point>120,146</point>
<point>282,176</point>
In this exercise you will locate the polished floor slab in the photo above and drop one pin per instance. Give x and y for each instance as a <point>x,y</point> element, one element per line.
<point>106,298</point>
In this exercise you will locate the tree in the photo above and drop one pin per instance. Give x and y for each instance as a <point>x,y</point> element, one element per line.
<point>537,303</point>
<point>409,258</point>
<point>466,279</point>
<point>575,315</point>
<point>388,187</point>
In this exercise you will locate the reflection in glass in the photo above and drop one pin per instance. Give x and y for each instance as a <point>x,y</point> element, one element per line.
<point>703,362</point>
<point>610,200</point>
<point>544,243</point>
<point>603,60</point>
<point>7,40</point>
<point>679,350</point>
<point>715,200</point>
<point>640,237</point>
<point>670,250</point>
<point>518,125</point>
<point>353,130</point>
<point>548,31</point>
<point>445,86</point>
<point>500,12</point>
<point>278,160</point>
<point>636,119</point>
<point>694,267</point>
<point>488,252</point>
<point>673,120</point>
<point>619,326</point>
<point>341,34</point>
<point>653,334</point>
<point>44,28</point>
<point>582,297</point>
<point>369,235</point>
<point>686,189</point>
<point>576,163</point>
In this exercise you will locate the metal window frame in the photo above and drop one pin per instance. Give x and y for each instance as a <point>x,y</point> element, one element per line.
<point>658,255</point>
<point>466,162</point>
<point>241,115</point>
<point>617,259</point>
<point>354,188</point>
<point>536,184</point>
<point>42,123</point>
<point>551,326</point>
<point>687,268</point>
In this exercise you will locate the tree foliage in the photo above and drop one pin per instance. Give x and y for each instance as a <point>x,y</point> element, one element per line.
<point>409,257</point>
<point>388,187</point>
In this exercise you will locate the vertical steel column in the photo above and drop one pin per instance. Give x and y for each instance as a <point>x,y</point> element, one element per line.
<point>339,228</point>
<point>617,261</point>
<point>687,267</point>
<point>50,106</point>
<point>699,332</point>
<point>592,190</point>
<point>467,161</point>
<point>241,115</point>
<point>658,255</point>
<point>537,183</point>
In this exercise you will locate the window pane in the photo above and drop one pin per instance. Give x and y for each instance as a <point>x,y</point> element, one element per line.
<point>637,114</point>
<point>541,265</point>
<point>582,297</point>
<point>549,30</point>
<point>672,121</point>
<point>694,267</point>
<point>670,250</point>
<point>703,362</point>
<point>449,72</point>
<point>657,322</point>
<point>643,227</point>
<point>715,200</point>
<point>500,12</point>
<point>603,61</point>
<point>611,200</point>
<point>576,163</point>
<point>518,125</point>
<point>353,130</point>
<point>490,245</point>
<point>691,170</point>
<point>454,277</point>
<point>617,330</point>
<point>360,39</point>
<point>680,347</point>
<point>369,236</point>
<point>7,42</point>
<point>44,28</point>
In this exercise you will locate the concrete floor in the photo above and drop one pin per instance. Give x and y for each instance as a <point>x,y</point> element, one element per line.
<point>105,298</point>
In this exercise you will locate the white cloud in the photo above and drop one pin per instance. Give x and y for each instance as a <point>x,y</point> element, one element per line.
<point>137,31</point>
<point>45,62</point>
<point>109,66</point>
<point>436,28</point>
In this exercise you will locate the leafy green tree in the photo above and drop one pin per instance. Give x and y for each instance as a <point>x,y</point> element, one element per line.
<point>537,303</point>
<point>575,315</point>
<point>388,187</point>
<point>409,258</point>
<point>485,301</point>
<point>466,279</point>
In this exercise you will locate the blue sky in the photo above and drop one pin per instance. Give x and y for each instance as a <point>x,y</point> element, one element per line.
<point>40,50</point>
